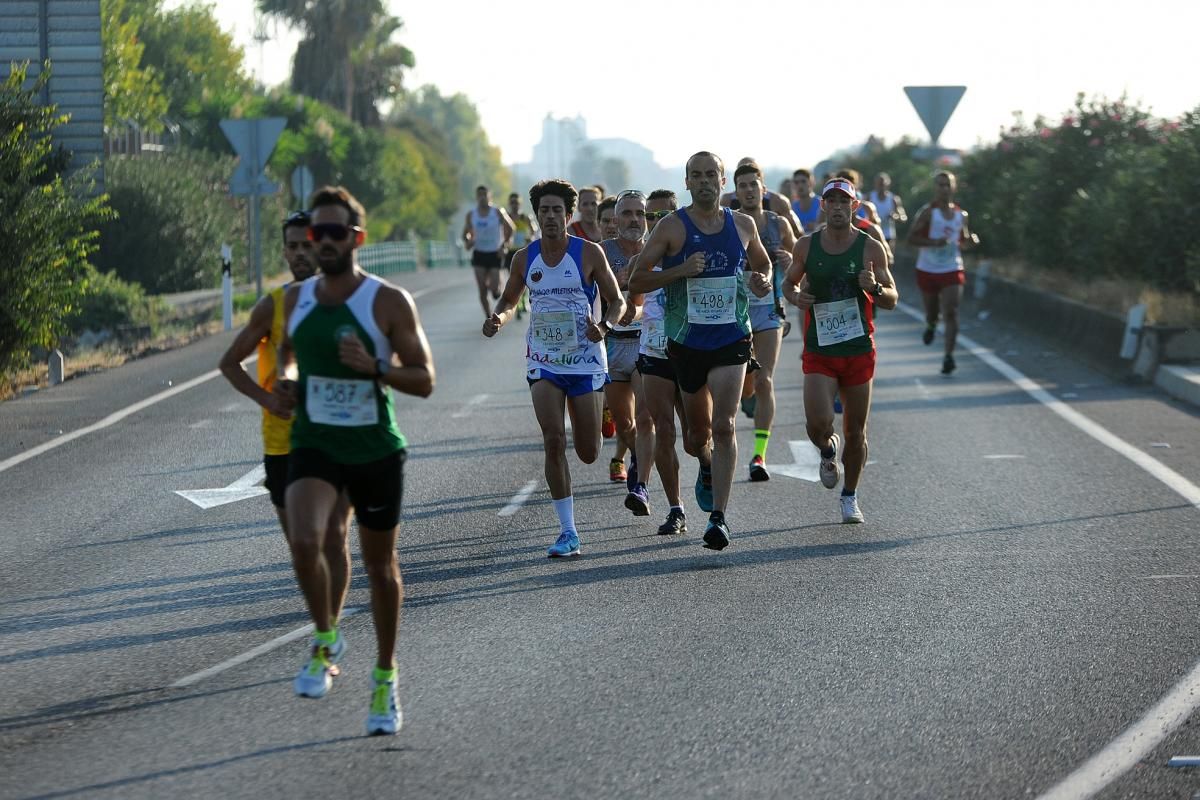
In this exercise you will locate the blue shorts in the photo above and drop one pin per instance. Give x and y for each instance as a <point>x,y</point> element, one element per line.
<point>572,385</point>
<point>764,318</point>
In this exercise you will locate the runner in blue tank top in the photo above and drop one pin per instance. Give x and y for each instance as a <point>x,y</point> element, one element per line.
<point>703,249</point>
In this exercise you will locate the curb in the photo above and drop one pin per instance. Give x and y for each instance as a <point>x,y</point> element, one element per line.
<point>1181,382</point>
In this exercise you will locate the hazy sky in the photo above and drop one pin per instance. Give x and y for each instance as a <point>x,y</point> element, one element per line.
<point>787,83</point>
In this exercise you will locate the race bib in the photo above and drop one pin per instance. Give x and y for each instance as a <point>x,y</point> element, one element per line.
<point>554,332</point>
<point>345,403</point>
<point>654,337</point>
<point>712,301</point>
<point>838,322</point>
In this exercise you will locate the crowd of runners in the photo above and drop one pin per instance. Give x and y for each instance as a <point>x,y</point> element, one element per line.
<point>649,321</point>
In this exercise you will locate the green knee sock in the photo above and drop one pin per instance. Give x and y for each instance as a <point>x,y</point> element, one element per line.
<point>761,437</point>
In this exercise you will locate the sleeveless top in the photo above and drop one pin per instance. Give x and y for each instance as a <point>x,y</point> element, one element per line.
<point>886,206</point>
<point>276,432</point>
<point>947,258</point>
<point>560,306</point>
<point>808,219</point>
<point>841,321</point>
<point>711,310</point>
<point>576,229</point>
<point>772,238</point>
<point>522,231</point>
<point>620,267</point>
<point>488,233</point>
<point>340,411</point>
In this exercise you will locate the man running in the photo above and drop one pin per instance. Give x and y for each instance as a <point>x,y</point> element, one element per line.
<point>778,204</point>
<point>806,204</point>
<point>356,338</point>
<point>588,224</point>
<point>838,275</point>
<point>941,233</point>
<point>565,360</point>
<point>525,230</point>
<point>486,232</point>
<point>265,332</point>
<point>606,214</point>
<point>707,322</point>
<point>765,321</point>
<point>890,207</point>
<point>658,399</point>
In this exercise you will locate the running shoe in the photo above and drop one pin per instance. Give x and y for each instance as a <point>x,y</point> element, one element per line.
<point>384,718</point>
<point>927,334</point>
<point>758,470</point>
<point>787,327</point>
<point>336,650</point>
<point>632,480</point>
<point>316,676</point>
<point>830,469</point>
<point>716,536</point>
<point>638,501</point>
<point>850,510</point>
<point>750,405</point>
<point>616,470</point>
<point>609,427</point>
<point>567,544</point>
<point>704,494</point>
<point>676,523</point>
<point>837,404</point>
<point>948,365</point>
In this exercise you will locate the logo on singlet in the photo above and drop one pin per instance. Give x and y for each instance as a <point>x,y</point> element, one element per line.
<point>536,275</point>
<point>715,261</point>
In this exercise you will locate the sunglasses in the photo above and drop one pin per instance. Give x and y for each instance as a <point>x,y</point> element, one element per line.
<point>331,230</point>
<point>630,193</point>
<point>657,214</point>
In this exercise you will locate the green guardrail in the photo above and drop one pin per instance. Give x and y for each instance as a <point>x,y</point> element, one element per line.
<point>385,258</point>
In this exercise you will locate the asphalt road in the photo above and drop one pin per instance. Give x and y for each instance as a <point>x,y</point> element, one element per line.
<point>1020,595</point>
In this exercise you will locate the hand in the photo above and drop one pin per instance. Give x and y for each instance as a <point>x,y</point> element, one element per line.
<point>783,260</point>
<point>354,355</point>
<point>491,325</point>
<point>801,299</point>
<point>282,401</point>
<point>595,333</point>
<point>866,277</point>
<point>630,313</point>
<point>695,264</point>
<point>759,284</point>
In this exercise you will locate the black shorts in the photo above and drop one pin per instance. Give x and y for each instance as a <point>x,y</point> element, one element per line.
<point>658,367</point>
<point>375,488</point>
<point>482,258</point>
<point>277,478</point>
<point>692,365</point>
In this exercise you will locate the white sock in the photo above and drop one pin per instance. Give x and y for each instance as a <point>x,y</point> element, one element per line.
<point>565,509</point>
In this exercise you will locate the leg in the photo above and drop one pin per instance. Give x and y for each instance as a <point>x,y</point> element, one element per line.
<point>310,501</point>
<point>387,589</point>
<point>621,404</point>
<point>766,348</point>
<point>725,387</point>
<point>337,555</point>
<point>949,298</point>
<point>930,300</point>
<point>660,401</point>
<point>856,400</point>
<point>818,408</point>
<point>586,410</point>
<point>493,282</point>
<point>481,283</point>
<point>548,404</point>
<point>697,409</point>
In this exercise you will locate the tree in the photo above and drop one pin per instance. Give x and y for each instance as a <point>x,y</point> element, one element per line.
<point>132,91</point>
<point>48,224</point>
<point>457,121</point>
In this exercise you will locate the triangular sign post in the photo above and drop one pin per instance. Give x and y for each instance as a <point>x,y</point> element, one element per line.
<point>935,105</point>
<point>254,141</point>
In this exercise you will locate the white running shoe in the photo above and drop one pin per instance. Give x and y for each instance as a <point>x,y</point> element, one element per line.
<point>831,471</point>
<point>851,513</point>
<point>385,717</point>
<point>335,650</point>
<point>316,676</point>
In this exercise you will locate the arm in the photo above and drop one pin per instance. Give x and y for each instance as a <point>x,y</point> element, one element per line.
<point>781,206</point>
<point>468,233</point>
<point>759,281</point>
<point>795,283</point>
<point>596,266</point>
<point>899,213</point>
<point>875,274</point>
<point>534,231</point>
<point>918,234</point>
<point>513,287</point>
<point>968,240</point>
<point>412,364</point>
<point>506,224</point>
<point>257,329</point>
<point>667,234</point>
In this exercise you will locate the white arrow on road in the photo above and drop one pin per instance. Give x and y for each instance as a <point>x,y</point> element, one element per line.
<point>245,487</point>
<point>808,462</point>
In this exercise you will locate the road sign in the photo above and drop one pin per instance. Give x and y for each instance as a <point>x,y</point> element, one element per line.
<point>243,185</point>
<point>253,140</point>
<point>935,105</point>
<point>302,184</point>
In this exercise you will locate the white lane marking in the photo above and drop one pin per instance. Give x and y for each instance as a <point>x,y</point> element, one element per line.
<point>806,460</point>
<point>925,392</point>
<point>245,487</point>
<point>204,423</point>
<point>110,420</point>
<point>1173,710</point>
<point>1169,577</point>
<point>232,408</point>
<point>265,647</point>
<point>1134,743</point>
<point>470,406</point>
<point>1002,456</point>
<point>518,500</point>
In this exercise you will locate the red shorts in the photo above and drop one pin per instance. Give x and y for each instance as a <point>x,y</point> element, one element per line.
<point>934,282</point>
<point>846,370</point>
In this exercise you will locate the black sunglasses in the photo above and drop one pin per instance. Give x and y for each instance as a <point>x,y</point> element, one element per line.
<point>657,214</point>
<point>331,230</point>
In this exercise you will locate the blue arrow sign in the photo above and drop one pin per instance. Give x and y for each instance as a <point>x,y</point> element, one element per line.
<point>935,105</point>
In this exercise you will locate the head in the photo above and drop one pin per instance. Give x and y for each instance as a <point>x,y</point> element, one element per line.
<point>839,199</point>
<point>802,182</point>
<point>631,215</point>
<point>660,203</point>
<point>748,183</point>
<point>483,196</point>
<point>553,201</point>
<point>704,176</point>
<point>851,175</point>
<point>883,183</point>
<point>337,228</point>
<point>514,204</point>
<point>785,187</point>
<point>944,186</point>
<point>297,249</point>
<point>606,215</point>
<point>589,203</point>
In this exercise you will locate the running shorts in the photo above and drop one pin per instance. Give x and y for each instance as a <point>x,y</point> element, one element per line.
<point>692,365</point>
<point>622,357</point>
<point>764,318</point>
<point>375,488</point>
<point>847,370</point>
<point>658,367</point>
<point>277,479</point>
<point>934,282</point>
<point>572,385</point>
<point>482,258</point>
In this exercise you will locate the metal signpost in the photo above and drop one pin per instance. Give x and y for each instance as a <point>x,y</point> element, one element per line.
<point>253,140</point>
<point>934,105</point>
<point>302,185</point>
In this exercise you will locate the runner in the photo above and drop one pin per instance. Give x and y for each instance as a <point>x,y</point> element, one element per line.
<point>264,331</point>
<point>780,204</point>
<point>525,230</point>
<point>607,219</point>
<point>606,214</point>
<point>565,360</point>
<point>890,207</point>
<point>707,323</point>
<point>588,224</point>
<point>838,275</point>
<point>486,233</point>
<point>807,205</point>
<point>765,323</point>
<point>657,394</point>
<point>622,343</point>
<point>356,338</point>
<point>941,233</point>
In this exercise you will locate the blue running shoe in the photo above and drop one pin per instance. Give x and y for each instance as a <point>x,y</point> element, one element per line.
<point>704,494</point>
<point>837,404</point>
<point>567,544</point>
<point>638,501</point>
<point>631,477</point>
<point>385,717</point>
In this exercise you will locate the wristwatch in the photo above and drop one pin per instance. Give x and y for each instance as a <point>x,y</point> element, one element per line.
<point>877,289</point>
<point>382,367</point>
<point>606,325</point>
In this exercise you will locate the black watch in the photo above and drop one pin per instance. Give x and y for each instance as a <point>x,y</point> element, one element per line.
<point>877,289</point>
<point>382,366</point>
